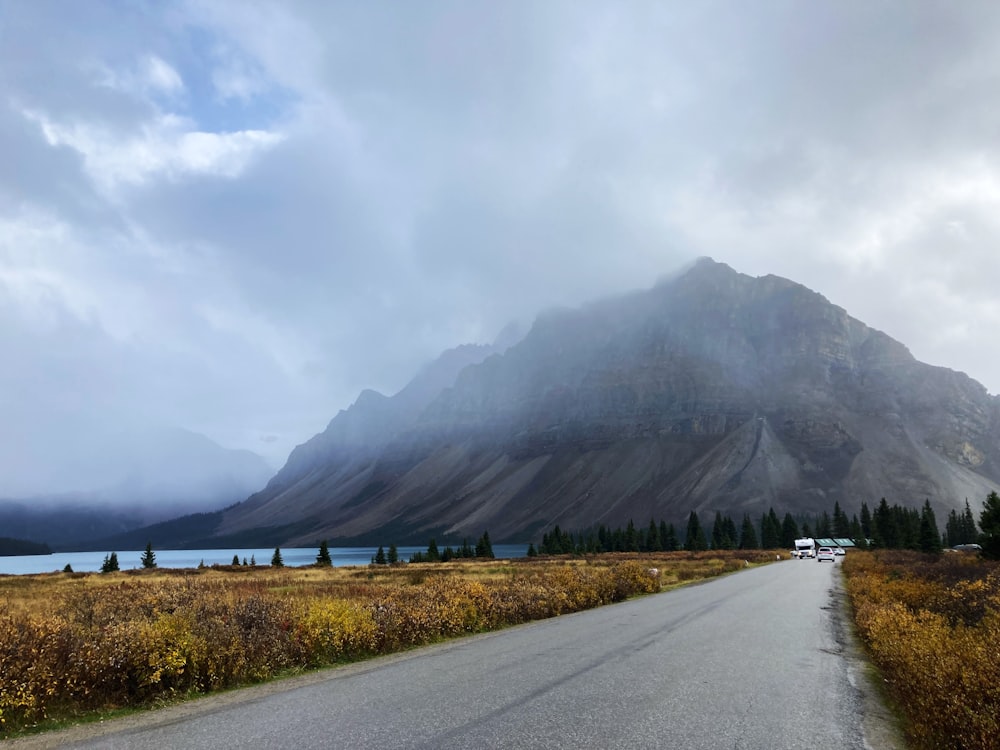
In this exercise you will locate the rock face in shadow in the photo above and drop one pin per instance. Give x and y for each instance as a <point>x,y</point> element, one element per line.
<point>713,391</point>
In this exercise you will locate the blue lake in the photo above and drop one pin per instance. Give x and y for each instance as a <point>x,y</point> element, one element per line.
<point>86,562</point>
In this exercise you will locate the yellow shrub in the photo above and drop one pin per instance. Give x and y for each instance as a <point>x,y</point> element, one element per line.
<point>943,664</point>
<point>333,629</point>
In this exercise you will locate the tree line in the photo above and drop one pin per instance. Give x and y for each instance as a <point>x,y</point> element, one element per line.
<point>888,526</point>
<point>483,549</point>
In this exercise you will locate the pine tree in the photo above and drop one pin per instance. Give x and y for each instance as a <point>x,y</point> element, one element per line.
<point>393,556</point>
<point>989,522</point>
<point>653,543</point>
<point>236,560</point>
<point>110,564</point>
<point>380,556</point>
<point>432,552</point>
<point>244,561</point>
<point>695,539</point>
<point>68,568</point>
<point>484,548</point>
<point>669,536</point>
<point>253,561</point>
<point>323,557</point>
<point>276,560</point>
<point>952,529</point>
<point>968,525</point>
<point>531,550</point>
<point>148,559</point>
<point>770,530</point>
<point>789,532</point>
<point>930,537</point>
<point>748,537</point>
<point>824,527</point>
<point>841,524</point>
<point>866,522</point>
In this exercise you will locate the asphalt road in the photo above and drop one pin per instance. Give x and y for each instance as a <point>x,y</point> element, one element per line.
<point>753,660</point>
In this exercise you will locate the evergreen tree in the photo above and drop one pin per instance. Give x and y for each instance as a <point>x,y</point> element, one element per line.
<point>841,523</point>
<point>380,558</point>
<point>770,530</point>
<point>631,537</point>
<point>110,564</point>
<point>68,568</point>
<point>276,560</point>
<point>432,552</point>
<point>393,556</point>
<point>884,531</point>
<point>969,531</point>
<point>930,537</point>
<point>718,530</point>
<point>653,543</point>
<point>952,529</point>
<point>236,560</point>
<point>484,548</point>
<point>668,534</point>
<point>989,522</point>
<point>748,537</point>
<point>724,534</point>
<point>244,561</point>
<point>532,552</point>
<point>824,527</point>
<point>148,558</point>
<point>789,532</point>
<point>856,534</point>
<point>695,539</point>
<point>323,556</point>
<point>866,522</point>
<point>253,561</point>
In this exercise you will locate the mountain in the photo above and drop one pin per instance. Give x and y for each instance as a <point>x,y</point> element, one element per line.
<point>158,474</point>
<point>711,391</point>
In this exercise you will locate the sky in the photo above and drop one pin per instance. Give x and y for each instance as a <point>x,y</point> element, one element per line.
<point>233,216</point>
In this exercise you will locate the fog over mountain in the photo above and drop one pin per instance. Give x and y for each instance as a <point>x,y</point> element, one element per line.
<point>711,391</point>
<point>124,481</point>
<point>233,216</point>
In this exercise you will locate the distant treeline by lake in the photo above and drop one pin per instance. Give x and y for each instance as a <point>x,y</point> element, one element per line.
<point>11,547</point>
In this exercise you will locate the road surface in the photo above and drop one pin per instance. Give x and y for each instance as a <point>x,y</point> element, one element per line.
<point>752,660</point>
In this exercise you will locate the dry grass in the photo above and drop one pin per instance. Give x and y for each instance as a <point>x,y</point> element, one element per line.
<point>932,624</point>
<point>73,644</point>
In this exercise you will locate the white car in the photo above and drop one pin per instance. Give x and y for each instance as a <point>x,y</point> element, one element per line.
<point>825,553</point>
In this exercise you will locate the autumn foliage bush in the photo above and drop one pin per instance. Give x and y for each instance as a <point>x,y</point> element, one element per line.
<point>73,644</point>
<point>932,624</point>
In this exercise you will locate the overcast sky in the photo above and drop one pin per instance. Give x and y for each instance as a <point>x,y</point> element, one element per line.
<point>234,216</point>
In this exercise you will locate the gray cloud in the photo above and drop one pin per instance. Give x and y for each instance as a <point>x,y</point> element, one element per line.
<point>233,216</point>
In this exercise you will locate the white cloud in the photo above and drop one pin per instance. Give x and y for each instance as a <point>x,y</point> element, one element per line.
<point>166,147</point>
<point>149,78</point>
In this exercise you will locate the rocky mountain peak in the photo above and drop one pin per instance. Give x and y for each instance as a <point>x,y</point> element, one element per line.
<point>711,390</point>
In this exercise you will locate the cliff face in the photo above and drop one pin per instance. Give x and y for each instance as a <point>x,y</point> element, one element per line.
<point>712,391</point>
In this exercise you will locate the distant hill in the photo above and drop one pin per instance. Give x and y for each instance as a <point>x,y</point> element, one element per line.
<point>10,547</point>
<point>711,391</point>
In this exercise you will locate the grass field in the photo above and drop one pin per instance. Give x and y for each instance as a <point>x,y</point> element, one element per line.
<point>72,644</point>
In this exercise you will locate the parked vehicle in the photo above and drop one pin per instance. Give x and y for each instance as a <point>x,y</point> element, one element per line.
<point>805,547</point>
<point>826,553</point>
<point>839,551</point>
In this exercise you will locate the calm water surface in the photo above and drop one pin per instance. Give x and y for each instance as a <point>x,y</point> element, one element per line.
<point>84,562</point>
